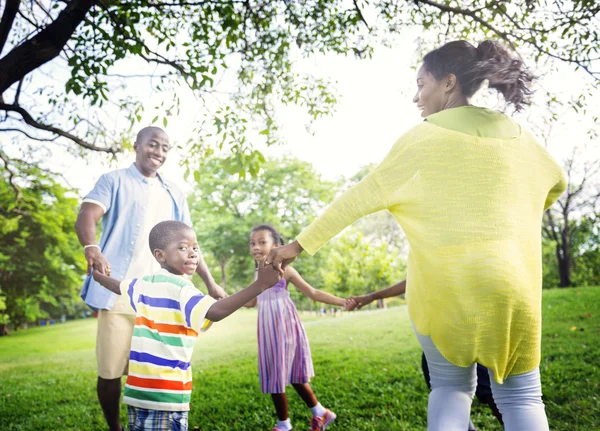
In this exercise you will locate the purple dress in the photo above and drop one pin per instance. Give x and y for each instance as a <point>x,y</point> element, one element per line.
<point>283,349</point>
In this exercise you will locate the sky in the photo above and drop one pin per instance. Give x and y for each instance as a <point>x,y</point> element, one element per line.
<point>374,110</point>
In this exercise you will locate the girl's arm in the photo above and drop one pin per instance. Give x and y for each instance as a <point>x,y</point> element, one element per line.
<point>314,294</point>
<point>251,303</point>
<point>361,301</point>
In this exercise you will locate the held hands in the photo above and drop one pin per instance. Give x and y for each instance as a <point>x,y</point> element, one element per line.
<point>100,277</point>
<point>217,292</point>
<point>268,275</point>
<point>281,257</point>
<point>357,302</point>
<point>96,261</point>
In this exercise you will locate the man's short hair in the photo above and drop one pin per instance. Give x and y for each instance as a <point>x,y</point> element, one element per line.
<point>162,234</point>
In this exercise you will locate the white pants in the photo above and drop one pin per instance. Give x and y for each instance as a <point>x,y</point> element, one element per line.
<point>519,398</point>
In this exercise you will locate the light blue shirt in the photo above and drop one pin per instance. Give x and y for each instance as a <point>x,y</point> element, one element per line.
<point>124,195</point>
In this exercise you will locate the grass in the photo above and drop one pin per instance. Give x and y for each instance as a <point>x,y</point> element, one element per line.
<point>367,364</point>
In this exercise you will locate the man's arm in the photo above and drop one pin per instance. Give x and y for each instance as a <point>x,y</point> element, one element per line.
<point>214,289</point>
<point>85,226</point>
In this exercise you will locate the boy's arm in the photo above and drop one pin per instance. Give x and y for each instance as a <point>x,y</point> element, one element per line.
<point>314,294</point>
<point>267,277</point>
<point>395,290</point>
<point>110,283</point>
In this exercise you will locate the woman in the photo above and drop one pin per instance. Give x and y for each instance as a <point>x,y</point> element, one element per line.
<point>469,187</point>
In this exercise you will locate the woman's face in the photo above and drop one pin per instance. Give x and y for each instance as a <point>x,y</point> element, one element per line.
<point>431,93</point>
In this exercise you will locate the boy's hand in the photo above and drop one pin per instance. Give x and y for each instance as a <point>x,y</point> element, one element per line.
<point>268,276</point>
<point>99,277</point>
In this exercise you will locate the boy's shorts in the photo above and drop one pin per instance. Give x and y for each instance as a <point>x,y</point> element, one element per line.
<point>156,420</point>
<point>113,340</point>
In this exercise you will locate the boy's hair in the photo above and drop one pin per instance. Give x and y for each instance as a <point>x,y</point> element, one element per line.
<point>162,234</point>
<point>277,239</point>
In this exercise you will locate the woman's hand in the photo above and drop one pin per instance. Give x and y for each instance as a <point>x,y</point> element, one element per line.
<point>281,257</point>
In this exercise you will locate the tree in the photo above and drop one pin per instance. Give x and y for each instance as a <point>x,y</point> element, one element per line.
<point>41,263</point>
<point>285,193</point>
<point>63,63</point>
<point>355,266</point>
<point>572,213</point>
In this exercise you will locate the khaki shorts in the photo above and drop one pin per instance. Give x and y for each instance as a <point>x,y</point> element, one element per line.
<point>113,341</point>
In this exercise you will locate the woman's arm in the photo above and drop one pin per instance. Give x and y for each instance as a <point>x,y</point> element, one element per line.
<point>312,293</point>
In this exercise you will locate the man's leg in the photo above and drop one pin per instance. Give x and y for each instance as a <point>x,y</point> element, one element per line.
<point>109,395</point>
<point>113,343</point>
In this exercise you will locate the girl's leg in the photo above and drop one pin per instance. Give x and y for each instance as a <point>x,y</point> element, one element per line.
<point>281,406</point>
<point>519,399</point>
<point>306,393</point>
<point>452,390</point>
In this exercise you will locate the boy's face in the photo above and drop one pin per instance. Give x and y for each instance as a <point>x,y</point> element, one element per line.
<point>181,254</point>
<point>261,242</point>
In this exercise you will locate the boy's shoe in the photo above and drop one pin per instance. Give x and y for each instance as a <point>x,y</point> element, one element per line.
<point>319,423</point>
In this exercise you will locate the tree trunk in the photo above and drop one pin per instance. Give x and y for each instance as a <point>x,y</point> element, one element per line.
<point>381,303</point>
<point>222,264</point>
<point>563,249</point>
<point>44,46</point>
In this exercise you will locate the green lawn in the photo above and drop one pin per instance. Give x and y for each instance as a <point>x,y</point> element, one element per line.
<point>367,364</point>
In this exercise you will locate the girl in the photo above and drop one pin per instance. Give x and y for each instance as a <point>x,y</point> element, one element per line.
<point>283,350</point>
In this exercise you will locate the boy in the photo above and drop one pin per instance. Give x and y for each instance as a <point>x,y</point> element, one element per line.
<point>170,312</point>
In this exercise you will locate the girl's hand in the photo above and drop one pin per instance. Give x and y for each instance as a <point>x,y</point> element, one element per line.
<point>281,257</point>
<point>350,304</point>
<point>362,300</point>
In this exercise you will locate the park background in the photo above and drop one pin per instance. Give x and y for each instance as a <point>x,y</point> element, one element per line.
<point>273,109</point>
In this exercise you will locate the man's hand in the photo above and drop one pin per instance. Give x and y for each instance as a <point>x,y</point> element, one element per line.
<point>360,301</point>
<point>216,291</point>
<point>96,261</point>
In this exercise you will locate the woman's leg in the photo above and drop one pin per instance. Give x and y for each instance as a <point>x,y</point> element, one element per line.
<point>519,399</point>
<point>452,390</point>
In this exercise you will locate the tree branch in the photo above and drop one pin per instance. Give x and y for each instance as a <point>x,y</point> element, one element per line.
<point>8,17</point>
<point>28,135</point>
<point>33,123</point>
<point>360,15</point>
<point>44,46</point>
<point>11,178</point>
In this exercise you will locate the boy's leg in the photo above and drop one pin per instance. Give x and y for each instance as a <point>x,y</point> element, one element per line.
<point>484,391</point>
<point>519,399</point>
<point>452,390</point>
<point>113,342</point>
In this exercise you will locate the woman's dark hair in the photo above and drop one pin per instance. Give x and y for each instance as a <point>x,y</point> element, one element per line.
<point>277,239</point>
<point>505,73</point>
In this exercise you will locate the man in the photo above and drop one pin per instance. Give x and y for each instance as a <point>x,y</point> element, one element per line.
<point>130,202</point>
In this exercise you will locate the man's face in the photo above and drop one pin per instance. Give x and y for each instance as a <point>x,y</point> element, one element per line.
<point>151,151</point>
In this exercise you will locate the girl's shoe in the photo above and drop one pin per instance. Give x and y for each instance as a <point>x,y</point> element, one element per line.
<point>277,429</point>
<point>319,423</point>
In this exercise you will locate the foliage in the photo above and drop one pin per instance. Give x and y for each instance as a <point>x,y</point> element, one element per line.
<point>367,365</point>
<point>356,267</point>
<point>238,57</point>
<point>286,193</point>
<point>40,259</point>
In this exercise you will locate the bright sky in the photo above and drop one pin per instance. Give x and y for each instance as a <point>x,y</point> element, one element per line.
<point>375,109</point>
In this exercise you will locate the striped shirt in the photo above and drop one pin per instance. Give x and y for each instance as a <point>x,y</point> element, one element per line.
<point>170,312</point>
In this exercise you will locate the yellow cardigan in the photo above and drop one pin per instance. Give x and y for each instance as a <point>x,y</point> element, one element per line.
<point>471,208</point>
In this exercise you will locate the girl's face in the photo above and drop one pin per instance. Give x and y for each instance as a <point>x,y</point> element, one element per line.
<point>431,93</point>
<point>261,243</point>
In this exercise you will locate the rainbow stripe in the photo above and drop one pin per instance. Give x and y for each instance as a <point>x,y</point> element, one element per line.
<point>170,312</point>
